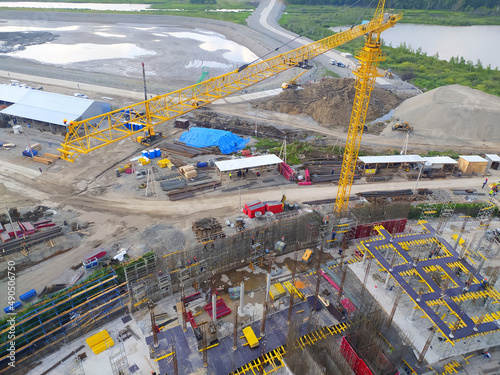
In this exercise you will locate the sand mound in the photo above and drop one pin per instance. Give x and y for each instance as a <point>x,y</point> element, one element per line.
<point>329,102</point>
<point>451,114</point>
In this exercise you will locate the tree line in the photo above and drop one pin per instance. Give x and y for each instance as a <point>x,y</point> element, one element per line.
<point>453,5</point>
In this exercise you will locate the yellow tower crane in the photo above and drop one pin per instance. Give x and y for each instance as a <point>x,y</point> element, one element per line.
<point>93,133</point>
<point>369,59</point>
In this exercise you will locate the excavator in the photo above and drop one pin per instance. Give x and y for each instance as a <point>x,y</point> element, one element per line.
<point>293,83</point>
<point>93,133</point>
<point>402,127</point>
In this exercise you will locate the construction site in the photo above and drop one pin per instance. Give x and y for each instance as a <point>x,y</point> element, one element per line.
<point>162,238</point>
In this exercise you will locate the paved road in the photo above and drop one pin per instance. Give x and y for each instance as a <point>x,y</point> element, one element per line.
<point>264,20</point>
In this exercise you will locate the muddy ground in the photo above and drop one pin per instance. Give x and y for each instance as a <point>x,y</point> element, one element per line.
<point>17,41</point>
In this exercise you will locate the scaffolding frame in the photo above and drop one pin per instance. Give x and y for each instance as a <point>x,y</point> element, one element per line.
<point>118,360</point>
<point>72,311</point>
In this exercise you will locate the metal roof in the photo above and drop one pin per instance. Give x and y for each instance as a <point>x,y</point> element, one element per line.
<point>251,162</point>
<point>42,106</point>
<point>12,94</point>
<point>473,158</point>
<point>493,157</point>
<point>388,159</point>
<point>439,160</point>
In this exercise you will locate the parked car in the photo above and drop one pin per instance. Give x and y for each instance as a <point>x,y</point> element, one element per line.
<point>333,62</point>
<point>341,65</point>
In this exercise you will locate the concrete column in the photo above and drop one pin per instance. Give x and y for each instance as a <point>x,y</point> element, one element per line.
<point>214,308</point>
<point>241,309</point>
<point>365,255</point>
<point>387,279</point>
<point>413,312</point>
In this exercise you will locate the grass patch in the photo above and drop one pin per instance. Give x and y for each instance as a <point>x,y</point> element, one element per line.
<point>170,8</point>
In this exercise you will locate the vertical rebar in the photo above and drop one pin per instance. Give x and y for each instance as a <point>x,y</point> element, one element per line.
<point>342,281</point>
<point>464,224</point>
<point>174,358</point>
<point>183,309</point>
<point>264,316</point>
<point>204,347</point>
<point>393,260</point>
<point>455,327</point>
<point>367,272</point>
<point>426,346</point>
<point>292,292</point>
<point>262,358</point>
<point>151,306</point>
<point>235,332</point>
<point>318,277</point>
<point>395,306</point>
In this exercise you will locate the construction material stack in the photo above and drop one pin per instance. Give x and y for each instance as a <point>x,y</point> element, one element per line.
<point>188,171</point>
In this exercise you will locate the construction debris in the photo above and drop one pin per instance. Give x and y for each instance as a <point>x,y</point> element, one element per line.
<point>206,227</point>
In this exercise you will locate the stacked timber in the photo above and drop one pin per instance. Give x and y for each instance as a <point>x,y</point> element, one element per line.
<point>188,171</point>
<point>46,158</point>
<point>42,159</point>
<point>206,227</point>
<point>36,146</point>
<point>51,156</point>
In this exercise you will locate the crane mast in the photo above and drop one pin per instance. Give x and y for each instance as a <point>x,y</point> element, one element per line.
<point>369,59</point>
<point>93,133</point>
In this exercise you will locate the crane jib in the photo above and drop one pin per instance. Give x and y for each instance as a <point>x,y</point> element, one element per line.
<point>96,132</point>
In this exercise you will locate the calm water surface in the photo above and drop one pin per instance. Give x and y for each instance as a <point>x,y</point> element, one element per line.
<point>471,42</point>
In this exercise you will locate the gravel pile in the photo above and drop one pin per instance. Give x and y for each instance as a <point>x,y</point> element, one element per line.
<point>451,114</point>
<point>163,238</point>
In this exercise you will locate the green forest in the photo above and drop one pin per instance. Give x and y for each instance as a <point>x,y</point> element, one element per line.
<point>426,72</point>
<point>454,5</point>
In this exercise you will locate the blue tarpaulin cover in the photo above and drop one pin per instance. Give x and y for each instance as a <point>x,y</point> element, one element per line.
<point>202,137</point>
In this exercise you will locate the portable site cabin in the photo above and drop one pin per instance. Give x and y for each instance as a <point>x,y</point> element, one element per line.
<point>372,164</point>
<point>472,164</point>
<point>493,161</point>
<point>438,164</point>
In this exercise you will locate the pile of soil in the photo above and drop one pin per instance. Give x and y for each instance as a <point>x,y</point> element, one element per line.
<point>329,102</point>
<point>242,127</point>
<point>451,114</point>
